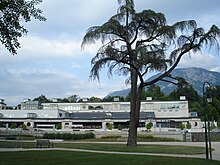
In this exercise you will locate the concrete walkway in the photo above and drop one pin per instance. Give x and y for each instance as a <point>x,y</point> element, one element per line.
<point>215,145</point>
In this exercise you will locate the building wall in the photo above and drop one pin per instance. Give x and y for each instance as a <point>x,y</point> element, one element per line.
<point>169,113</point>
<point>161,109</point>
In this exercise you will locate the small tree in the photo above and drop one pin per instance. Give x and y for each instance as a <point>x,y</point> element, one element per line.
<point>59,126</point>
<point>182,126</point>
<point>188,125</point>
<point>24,127</point>
<point>109,126</point>
<point>149,126</point>
<point>120,127</point>
<point>42,99</point>
<point>13,125</point>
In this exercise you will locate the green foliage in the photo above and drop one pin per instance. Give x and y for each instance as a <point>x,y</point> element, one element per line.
<point>24,127</point>
<point>59,126</point>
<point>95,99</point>
<point>211,113</point>
<point>109,126</point>
<point>14,13</point>
<point>150,138</point>
<point>111,137</point>
<point>69,136</point>
<point>186,90</point>
<point>111,98</point>
<point>153,91</point>
<point>182,126</point>
<point>188,125</point>
<point>42,99</point>
<point>13,125</point>
<point>149,125</point>
<point>73,98</point>
<point>218,123</point>
<point>120,127</point>
<point>136,43</point>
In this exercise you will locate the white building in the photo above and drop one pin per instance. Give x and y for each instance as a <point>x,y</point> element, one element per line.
<point>165,115</point>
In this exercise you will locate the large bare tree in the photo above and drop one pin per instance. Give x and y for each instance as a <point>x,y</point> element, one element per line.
<point>134,44</point>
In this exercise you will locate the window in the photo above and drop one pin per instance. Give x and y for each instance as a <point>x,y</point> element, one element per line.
<point>31,115</point>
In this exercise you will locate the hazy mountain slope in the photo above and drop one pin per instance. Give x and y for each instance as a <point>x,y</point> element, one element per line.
<point>195,76</point>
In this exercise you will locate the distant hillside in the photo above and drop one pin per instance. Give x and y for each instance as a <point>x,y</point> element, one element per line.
<point>194,76</point>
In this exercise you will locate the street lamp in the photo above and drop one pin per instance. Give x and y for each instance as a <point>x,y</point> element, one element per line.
<point>207,98</point>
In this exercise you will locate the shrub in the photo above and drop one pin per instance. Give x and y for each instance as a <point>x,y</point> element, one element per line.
<point>188,125</point>
<point>58,126</point>
<point>109,126</point>
<point>49,136</point>
<point>69,136</point>
<point>111,137</point>
<point>13,125</point>
<point>24,127</point>
<point>149,126</point>
<point>182,126</point>
<point>120,127</point>
<point>218,124</point>
<point>145,136</point>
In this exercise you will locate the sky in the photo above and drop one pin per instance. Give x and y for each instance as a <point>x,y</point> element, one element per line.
<point>51,62</point>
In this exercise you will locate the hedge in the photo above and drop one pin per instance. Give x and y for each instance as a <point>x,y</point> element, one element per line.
<point>69,136</point>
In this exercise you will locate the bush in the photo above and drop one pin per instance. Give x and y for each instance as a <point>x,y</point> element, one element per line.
<point>188,125</point>
<point>109,126</point>
<point>145,136</point>
<point>69,136</point>
<point>149,125</point>
<point>58,126</point>
<point>24,127</point>
<point>120,127</point>
<point>111,137</point>
<point>182,126</point>
<point>49,136</point>
<point>218,124</point>
<point>13,125</point>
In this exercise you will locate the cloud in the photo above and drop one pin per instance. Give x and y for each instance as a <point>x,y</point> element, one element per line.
<point>43,51</point>
<point>17,84</point>
<point>70,16</point>
<point>38,46</point>
<point>206,61</point>
<point>216,69</point>
<point>51,61</point>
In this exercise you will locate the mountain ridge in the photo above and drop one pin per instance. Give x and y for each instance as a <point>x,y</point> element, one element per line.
<point>193,75</point>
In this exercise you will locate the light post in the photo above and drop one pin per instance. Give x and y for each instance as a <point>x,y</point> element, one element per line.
<point>207,138</point>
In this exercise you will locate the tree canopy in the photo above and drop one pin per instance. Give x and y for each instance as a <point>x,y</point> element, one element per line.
<point>136,43</point>
<point>13,14</point>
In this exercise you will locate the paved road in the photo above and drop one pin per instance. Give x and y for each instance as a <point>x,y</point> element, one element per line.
<point>215,145</point>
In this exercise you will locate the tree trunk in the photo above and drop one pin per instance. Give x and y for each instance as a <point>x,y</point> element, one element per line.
<point>132,134</point>
<point>134,110</point>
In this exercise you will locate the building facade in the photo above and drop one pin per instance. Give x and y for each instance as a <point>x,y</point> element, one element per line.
<point>100,116</point>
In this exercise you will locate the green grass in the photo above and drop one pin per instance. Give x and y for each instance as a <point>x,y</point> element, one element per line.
<point>115,147</point>
<point>140,148</point>
<point>75,158</point>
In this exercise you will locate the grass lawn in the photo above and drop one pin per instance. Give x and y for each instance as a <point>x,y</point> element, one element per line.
<point>188,150</point>
<point>80,158</point>
<point>113,147</point>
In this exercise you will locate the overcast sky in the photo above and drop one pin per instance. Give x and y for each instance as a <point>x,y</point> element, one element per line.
<point>51,62</point>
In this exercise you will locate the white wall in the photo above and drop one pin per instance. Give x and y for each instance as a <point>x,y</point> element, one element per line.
<point>23,113</point>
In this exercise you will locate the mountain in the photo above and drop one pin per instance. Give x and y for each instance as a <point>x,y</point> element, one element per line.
<point>194,76</point>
